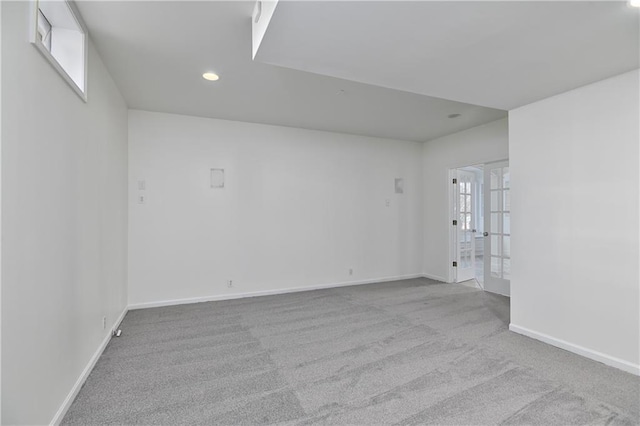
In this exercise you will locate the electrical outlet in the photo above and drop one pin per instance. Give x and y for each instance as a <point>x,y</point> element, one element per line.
<point>350,271</point>
<point>387,203</point>
<point>141,199</point>
<point>104,323</point>
<point>230,283</point>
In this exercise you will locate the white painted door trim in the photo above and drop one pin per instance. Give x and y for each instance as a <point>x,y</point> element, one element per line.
<point>453,248</point>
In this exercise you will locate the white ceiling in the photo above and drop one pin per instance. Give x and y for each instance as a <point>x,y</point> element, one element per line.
<point>156,52</point>
<point>500,54</point>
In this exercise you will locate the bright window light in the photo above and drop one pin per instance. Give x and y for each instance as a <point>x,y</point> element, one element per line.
<point>60,35</point>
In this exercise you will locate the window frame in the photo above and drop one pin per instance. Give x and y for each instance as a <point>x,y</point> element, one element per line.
<point>35,41</point>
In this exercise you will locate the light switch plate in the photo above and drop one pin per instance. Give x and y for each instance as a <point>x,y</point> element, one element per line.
<point>217,178</point>
<point>399,185</point>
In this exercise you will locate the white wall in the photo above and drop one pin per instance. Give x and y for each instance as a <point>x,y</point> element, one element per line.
<point>575,184</point>
<point>0,215</point>
<point>480,144</point>
<point>299,208</point>
<point>64,221</point>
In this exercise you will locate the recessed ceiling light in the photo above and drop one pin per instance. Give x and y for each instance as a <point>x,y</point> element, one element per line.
<point>634,3</point>
<point>453,115</point>
<point>210,76</point>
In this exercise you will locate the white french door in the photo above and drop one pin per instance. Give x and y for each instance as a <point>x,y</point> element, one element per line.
<point>465,227</point>
<point>497,227</point>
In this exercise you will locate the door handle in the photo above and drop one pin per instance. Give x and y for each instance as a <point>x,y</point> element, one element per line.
<point>485,234</point>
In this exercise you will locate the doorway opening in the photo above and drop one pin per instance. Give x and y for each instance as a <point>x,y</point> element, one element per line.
<point>480,243</point>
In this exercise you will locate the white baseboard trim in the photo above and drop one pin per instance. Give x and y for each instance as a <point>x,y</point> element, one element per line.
<point>219,297</point>
<point>587,353</point>
<point>85,373</point>
<point>434,277</point>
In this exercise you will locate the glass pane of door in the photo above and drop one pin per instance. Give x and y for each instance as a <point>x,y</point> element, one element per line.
<point>498,227</point>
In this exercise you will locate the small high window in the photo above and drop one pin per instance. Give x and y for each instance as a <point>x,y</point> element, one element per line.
<point>60,35</point>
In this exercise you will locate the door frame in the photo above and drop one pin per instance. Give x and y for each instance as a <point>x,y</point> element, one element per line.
<point>452,246</point>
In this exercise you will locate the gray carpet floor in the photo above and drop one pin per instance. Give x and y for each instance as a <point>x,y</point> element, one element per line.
<point>405,352</point>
